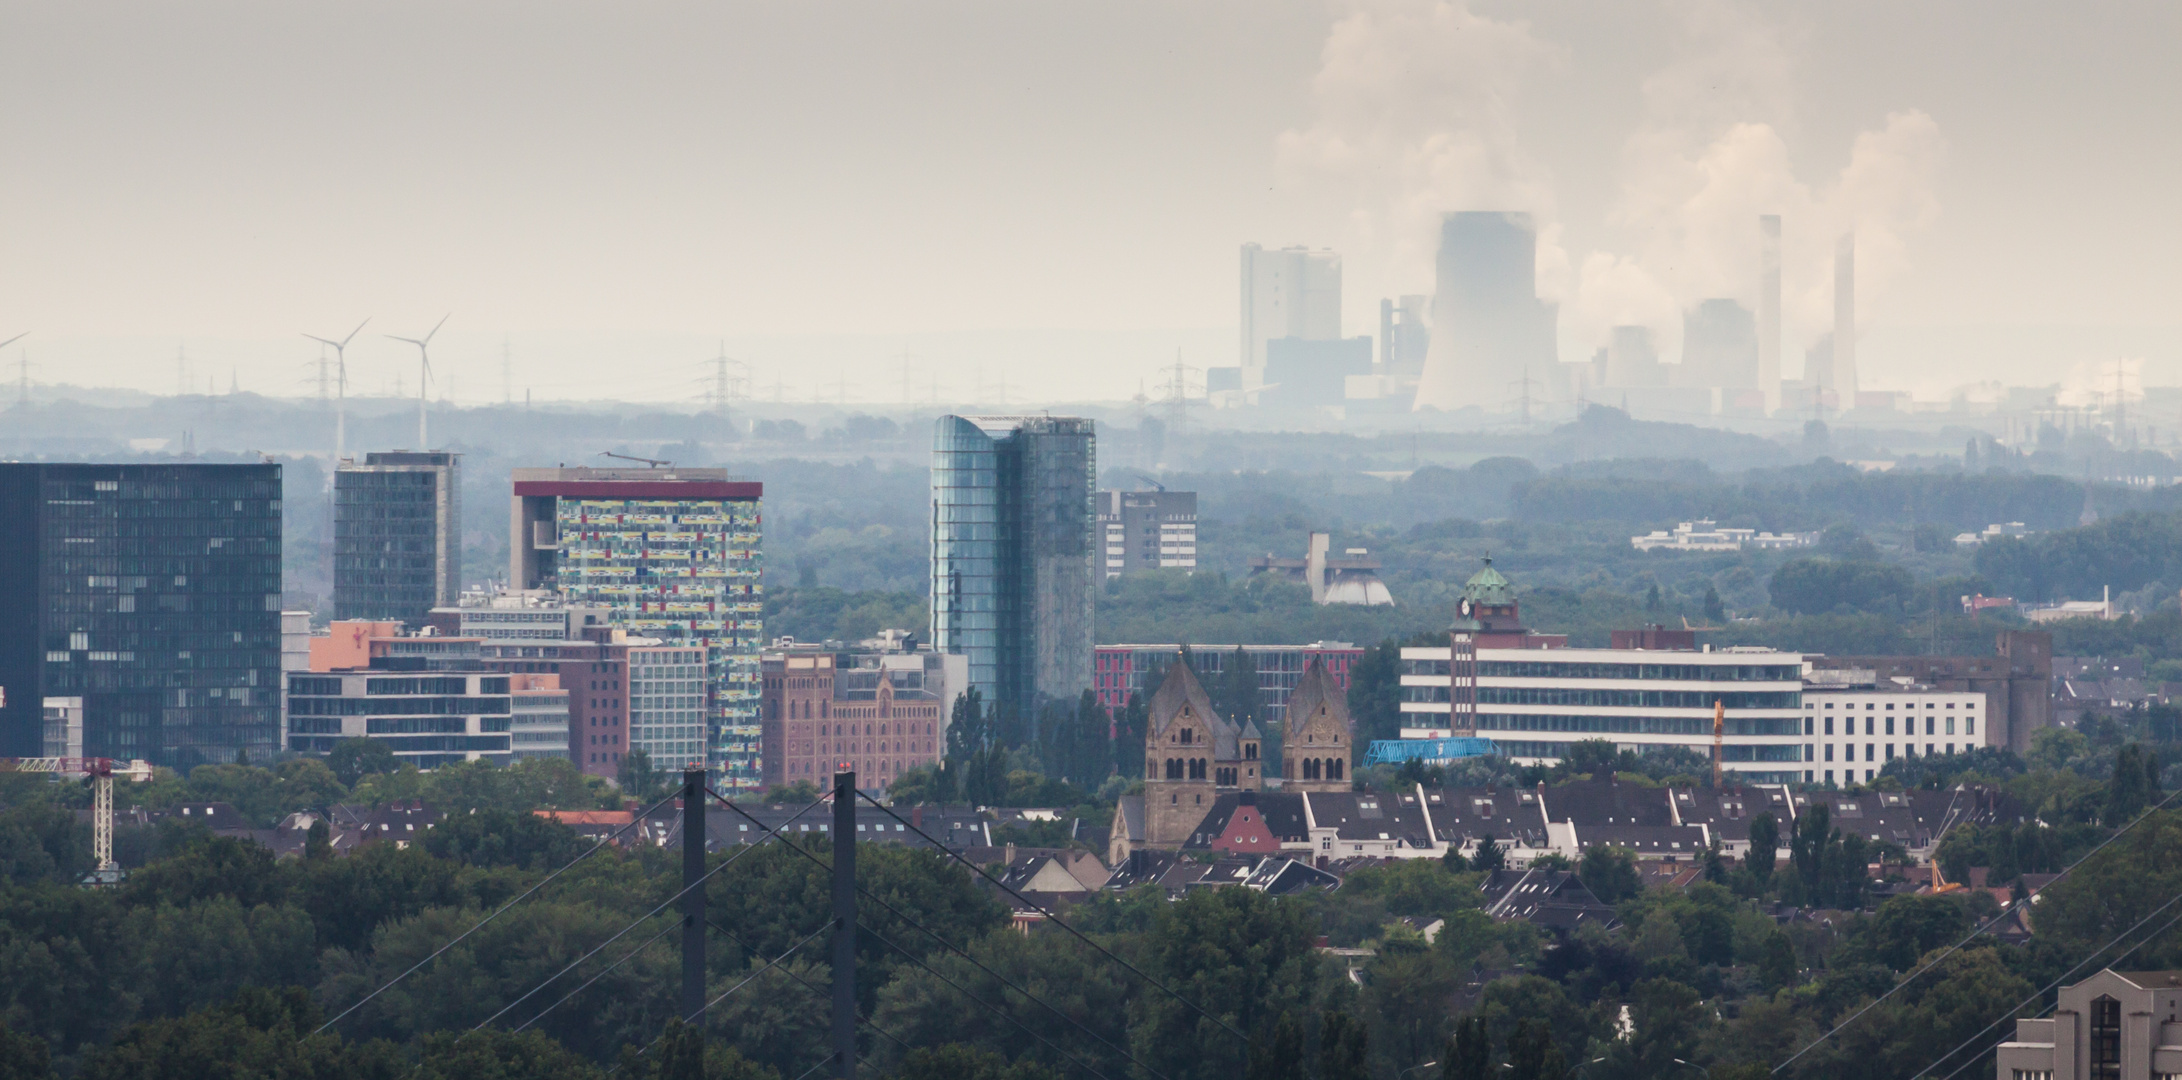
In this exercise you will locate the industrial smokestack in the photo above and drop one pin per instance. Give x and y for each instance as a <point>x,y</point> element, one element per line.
<point>1769,310</point>
<point>1844,320</point>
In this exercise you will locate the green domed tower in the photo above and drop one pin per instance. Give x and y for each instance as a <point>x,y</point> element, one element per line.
<point>1488,604</point>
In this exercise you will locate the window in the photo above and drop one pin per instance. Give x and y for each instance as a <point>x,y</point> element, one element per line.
<point>2105,1038</point>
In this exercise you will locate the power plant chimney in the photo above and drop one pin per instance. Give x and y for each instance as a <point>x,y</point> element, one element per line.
<point>1769,310</point>
<point>1844,320</point>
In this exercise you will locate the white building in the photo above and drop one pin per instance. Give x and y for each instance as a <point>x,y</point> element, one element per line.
<point>1534,702</point>
<point>2114,1024</point>
<point>1992,532</point>
<point>1707,535</point>
<point>1856,723</point>
<point>1143,530</point>
<point>540,727</point>
<point>535,615</point>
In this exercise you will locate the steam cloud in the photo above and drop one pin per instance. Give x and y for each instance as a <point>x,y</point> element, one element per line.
<point>1412,118</point>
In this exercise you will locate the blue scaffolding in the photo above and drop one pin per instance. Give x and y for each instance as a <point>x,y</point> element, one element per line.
<point>1429,751</point>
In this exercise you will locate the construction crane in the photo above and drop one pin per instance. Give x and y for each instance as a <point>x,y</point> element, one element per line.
<point>102,772</point>
<point>652,462</point>
<point>1719,729</point>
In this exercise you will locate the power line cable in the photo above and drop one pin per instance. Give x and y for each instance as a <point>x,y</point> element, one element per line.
<point>1055,920</point>
<point>691,1018</point>
<point>1974,934</point>
<point>950,947</point>
<point>2042,991</point>
<point>640,920</point>
<point>790,972</point>
<point>541,1014</point>
<point>526,894</point>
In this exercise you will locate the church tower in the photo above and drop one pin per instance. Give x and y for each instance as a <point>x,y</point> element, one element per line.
<point>1317,744</point>
<point>1191,755</point>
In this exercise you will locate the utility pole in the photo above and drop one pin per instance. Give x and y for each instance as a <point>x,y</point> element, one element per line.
<point>844,923</point>
<point>693,900</point>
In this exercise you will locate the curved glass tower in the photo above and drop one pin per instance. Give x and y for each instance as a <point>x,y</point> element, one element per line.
<point>1013,516</point>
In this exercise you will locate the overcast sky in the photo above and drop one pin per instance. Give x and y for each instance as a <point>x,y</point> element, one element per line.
<point>1051,194</point>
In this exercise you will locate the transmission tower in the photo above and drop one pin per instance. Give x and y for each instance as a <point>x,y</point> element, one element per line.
<point>1175,396</point>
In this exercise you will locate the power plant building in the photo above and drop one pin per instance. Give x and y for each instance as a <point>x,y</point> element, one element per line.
<point>673,557</point>
<point>1014,557</point>
<point>397,536</point>
<point>150,592</point>
<point>1489,328</point>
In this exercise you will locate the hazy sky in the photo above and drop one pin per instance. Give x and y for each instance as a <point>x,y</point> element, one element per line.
<point>1051,194</point>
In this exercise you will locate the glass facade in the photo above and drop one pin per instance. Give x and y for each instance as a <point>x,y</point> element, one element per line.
<point>1013,523</point>
<point>684,571</point>
<point>397,539</point>
<point>426,720</point>
<point>667,705</point>
<point>152,592</point>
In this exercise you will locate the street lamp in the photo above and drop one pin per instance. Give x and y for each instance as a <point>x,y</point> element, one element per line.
<point>1694,1065</point>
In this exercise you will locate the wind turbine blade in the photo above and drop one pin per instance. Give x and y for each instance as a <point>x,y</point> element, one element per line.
<point>13,340</point>
<point>442,322</point>
<point>359,329</point>
<point>410,340</point>
<point>322,341</point>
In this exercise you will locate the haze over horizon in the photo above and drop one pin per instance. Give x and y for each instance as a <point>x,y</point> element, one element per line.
<point>1052,197</point>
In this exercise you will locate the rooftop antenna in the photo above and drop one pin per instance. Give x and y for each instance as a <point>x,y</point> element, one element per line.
<point>424,375</point>
<point>340,389</point>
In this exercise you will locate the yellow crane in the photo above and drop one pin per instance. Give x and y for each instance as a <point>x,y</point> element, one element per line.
<point>102,772</point>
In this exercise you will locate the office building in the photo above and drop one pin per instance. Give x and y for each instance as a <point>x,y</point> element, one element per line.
<point>672,555</point>
<point>1013,553</point>
<point>1533,696</point>
<point>1147,530</point>
<point>151,592</point>
<point>1489,329</point>
<point>397,535</point>
<point>2016,682</point>
<point>1859,722</point>
<point>1123,671</point>
<point>1294,292</point>
<point>429,699</point>
<point>667,700</point>
<point>540,728</point>
<point>878,714</point>
<point>504,618</point>
<point>2114,1024</point>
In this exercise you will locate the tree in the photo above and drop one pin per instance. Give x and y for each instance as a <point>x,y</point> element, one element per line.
<point>1469,1054</point>
<point>638,779</point>
<point>1532,1054</point>
<point>2134,786</point>
<point>1610,873</point>
<point>1488,855</point>
<point>1343,1048</point>
<point>1375,692</point>
<point>1715,611</point>
<point>1279,1057</point>
<point>1815,586</point>
<point>23,1057</point>
<point>956,1061</point>
<point>968,726</point>
<point>353,759</point>
<point>1777,963</point>
<point>1764,845</point>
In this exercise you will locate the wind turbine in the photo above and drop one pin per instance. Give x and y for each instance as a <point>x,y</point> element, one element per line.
<point>25,398</point>
<point>340,389</point>
<point>424,376</point>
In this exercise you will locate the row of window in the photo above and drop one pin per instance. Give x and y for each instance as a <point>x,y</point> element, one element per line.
<point>1635,725</point>
<point>1577,669</point>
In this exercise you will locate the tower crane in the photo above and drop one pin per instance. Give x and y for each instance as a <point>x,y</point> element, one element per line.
<point>102,772</point>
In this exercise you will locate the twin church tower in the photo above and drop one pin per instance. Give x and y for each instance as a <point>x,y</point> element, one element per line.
<point>1192,754</point>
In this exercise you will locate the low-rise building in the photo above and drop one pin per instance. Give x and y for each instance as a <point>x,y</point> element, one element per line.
<point>1707,535</point>
<point>540,728</point>
<point>429,699</point>
<point>1855,722</point>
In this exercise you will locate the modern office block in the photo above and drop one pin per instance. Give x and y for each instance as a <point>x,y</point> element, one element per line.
<point>673,555</point>
<point>667,694</point>
<point>541,717</point>
<point>427,718</point>
<point>1145,530</point>
<point>152,592</point>
<point>397,536</point>
<point>1013,553</point>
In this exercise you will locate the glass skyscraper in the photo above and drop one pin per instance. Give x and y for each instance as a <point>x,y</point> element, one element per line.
<point>151,592</point>
<point>672,555</point>
<point>397,536</point>
<point>1013,518</point>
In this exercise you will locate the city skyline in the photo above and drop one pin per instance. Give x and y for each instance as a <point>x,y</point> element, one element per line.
<point>1003,253</point>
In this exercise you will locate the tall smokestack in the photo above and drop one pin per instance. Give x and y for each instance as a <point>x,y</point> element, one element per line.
<point>1769,310</point>
<point>1844,319</point>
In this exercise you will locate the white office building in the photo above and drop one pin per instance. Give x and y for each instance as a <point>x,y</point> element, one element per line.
<point>540,729</point>
<point>1857,723</point>
<point>1534,702</point>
